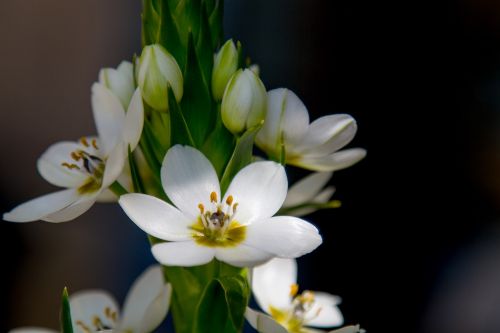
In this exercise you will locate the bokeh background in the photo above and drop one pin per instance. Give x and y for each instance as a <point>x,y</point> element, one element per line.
<point>416,244</point>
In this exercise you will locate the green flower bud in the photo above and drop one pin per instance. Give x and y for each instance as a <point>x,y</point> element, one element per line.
<point>157,71</point>
<point>244,104</point>
<point>225,64</point>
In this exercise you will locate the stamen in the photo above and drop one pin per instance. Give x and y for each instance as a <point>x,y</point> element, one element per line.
<point>213,197</point>
<point>294,289</point>
<point>70,166</point>
<point>84,327</point>
<point>234,207</point>
<point>84,141</point>
<point>229,200</point>
<point>94,144</point>
<point>201,208</point>
<point>76,156</point>
<point>96,321</point>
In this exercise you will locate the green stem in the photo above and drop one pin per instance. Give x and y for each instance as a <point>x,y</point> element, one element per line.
<point>118,189</point>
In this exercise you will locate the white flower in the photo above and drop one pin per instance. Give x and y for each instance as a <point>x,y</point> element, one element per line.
<point>310,146</point>
<point>275,288</point>
<point>87,167</point>
<point>237,228</point>
<point>307,192</point>
<point>92,311</point>
<point>225,64</point>
<point>120,81</point>
<point>145,307</point>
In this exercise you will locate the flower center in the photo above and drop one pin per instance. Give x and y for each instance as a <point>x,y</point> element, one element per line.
<point>100,323</point>
<point>86,160</point>
<point>293,318</point>
<point>216,226</point>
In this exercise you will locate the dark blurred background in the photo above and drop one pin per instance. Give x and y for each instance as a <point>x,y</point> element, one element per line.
<point>416,244</point>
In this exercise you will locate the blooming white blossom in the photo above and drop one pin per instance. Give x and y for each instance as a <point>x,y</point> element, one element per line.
<point>120,81</point>
<point>92,311</point>
<point>87,167</point>
<point>310,146</point>
<point>237,228</point>
<point>307,192</point>
<point>275,288</point>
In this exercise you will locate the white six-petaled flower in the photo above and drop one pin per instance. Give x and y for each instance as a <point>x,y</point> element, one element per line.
<point>310,146</point>
<point>275,288</point>
<point>146,306</point>
<point>237,228</point>
<point>87,167</point>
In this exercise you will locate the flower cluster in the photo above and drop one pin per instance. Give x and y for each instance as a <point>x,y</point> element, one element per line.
<point>176,130</point>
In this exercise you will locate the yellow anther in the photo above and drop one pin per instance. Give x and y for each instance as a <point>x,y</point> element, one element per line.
<point>96,321</point>
<point>294,289</point>
<point>234,207</point>
<point>84,327</point>
<point>94,144</point>
<point>107,312</point>
<point>114,316</point>
<point>70,166</point>
<point>229,200</point>
<point>201,208</point>
<point>308,296</point>
<point>76,156</point>
<point>84,141</point>
<point>213,197</point>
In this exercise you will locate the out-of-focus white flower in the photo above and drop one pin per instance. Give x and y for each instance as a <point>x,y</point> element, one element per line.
<point>244,103</point>
<point>87,167</point>
<point>237,228</point>
<point>32,330</point>
<point>305,195</point>
<point>157,71</point>
<point>225,64</point>
<point>310,146</point>
<point>145,307</point>
<point>275,288</point>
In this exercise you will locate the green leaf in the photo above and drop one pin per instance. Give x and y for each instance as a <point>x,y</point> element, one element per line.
<point>149,23</point>
<point>134,173</point>
<point>149,156</point>
<point>242,156</point>
<point>197,105</point>
<point>168,35</point>
<point>156,147</point>
<point>187,17</point>
<point>66,322</point>
<point>215,21</point>
<point>224,301</point>
<point>179,129</point>
<point>204,47</point>
<point>219,146</point>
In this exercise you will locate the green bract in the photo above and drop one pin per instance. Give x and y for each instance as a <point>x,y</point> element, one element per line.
<point>159,70</point>
<point>226,63</point>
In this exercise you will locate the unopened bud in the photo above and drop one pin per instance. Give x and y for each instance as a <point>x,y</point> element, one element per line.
<point>120,81</point>
<point>225,64</point>
<point>158,70</point>
<point>244,103</point>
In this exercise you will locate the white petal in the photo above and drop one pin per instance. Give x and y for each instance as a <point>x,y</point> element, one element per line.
<point>337,161</point>
<point>134,120</point>
<point>39,208</point>
<point>242,256</point>
<point>147,302</point>
<point>306,189</point>
<point>114,165</point>
<point>50,165</point>
<point>259,189</point>
<point>188,178</point>
<point>328,134</point>
<point>32,330</point>
<point>287,115</point>
<point>263,323</point>
<point>185,254</point>
<point>156,217</point>
<point>284,236</point>
<point>109,116</point>
<point>88,304</point>
<point>120,81</point>
<point>72,211</point>
<point>324,312</point>
<point>349,329</point>
<point>322,197</point>
<point>272,282</point>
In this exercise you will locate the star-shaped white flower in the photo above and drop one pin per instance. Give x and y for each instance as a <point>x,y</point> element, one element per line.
<point>310,146</point>
<point>87,167</point>
<point>237,228</point>
<point>308,192</point>
<point>275,288</point>
<point>146,306</point>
